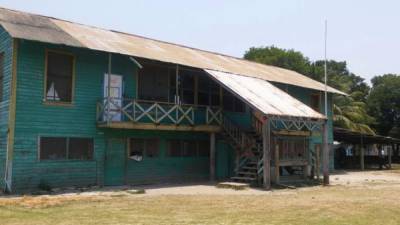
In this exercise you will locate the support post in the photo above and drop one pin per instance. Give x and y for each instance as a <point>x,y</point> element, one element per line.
<point>317,159</point>
<point>212,157</point>
<point>381,160</point>
<point>266,155</point>
<point>325,160</point>
<point>362,164</point>
<point>109,88</point>
<point>277,174</point>
<point>390,156</point>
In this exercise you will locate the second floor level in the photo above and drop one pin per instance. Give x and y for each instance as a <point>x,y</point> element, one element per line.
<point>67,85</point>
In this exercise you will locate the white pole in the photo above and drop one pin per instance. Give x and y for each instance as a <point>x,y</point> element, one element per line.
<point>325,126</point>
<point>325,71</point>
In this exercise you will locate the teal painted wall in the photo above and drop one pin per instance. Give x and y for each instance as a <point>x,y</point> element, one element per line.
<point>34,119</point>
<point>6,49</point>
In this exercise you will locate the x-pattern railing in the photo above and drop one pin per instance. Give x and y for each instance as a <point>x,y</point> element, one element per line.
<point>116,110</point>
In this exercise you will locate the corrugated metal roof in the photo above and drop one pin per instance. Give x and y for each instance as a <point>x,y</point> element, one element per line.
<point>264,96</point>
<point>46,29</point>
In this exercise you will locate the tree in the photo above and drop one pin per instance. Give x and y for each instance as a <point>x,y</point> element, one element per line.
<point>384,103</point>
<point>350,112</point>
<point>288,59</point>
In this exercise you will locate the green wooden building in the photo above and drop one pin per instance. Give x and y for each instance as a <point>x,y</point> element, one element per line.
<point>85,106</point>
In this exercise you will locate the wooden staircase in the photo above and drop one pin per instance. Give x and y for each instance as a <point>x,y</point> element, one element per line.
<point>249,151</point>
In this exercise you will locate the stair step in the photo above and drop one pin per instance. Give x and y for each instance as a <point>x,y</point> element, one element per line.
<point>244,178</point>
<point>247,173</point>
<point>249,168</point>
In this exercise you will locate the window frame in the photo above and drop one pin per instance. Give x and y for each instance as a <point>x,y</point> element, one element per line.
<point>144,153</point>
<point>60,103</point>
<point>182,148</point>
<point>67,149</point>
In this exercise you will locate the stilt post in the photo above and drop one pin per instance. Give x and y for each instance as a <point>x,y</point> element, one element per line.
<point>325,160</point>
<point>212,157</point>
<point>266,155</point>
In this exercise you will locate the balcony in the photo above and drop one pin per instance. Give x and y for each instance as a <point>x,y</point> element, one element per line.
<point>150,115</point>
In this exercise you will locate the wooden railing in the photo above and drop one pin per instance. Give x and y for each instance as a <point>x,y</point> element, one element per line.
<point>133,110</point>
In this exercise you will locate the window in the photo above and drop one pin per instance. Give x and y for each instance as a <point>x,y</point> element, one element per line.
<point>315,102</point>
<point>80,148</point>
<point>208,92</point>
<point>188,148</point>
<point>232,103</point>
<point>143,147</point>
<point>59,77</point>
<point>1,76</point>
<point>153,83</point>
<point>61,148</point>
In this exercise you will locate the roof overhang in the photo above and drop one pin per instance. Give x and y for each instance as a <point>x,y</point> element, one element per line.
<point>264,97</point>
<point>28,26</point>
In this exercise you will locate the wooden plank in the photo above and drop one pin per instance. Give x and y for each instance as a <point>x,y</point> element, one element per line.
<point>325,155</point>
<point>390,156</point>
<point>362,165</point>
<point>170,127</point>
<point>266,156</point>
<point>212,157</point>
<point>277,164</point>
<point>292,133</point>
<point>298,162</point>
<point>11,117</point>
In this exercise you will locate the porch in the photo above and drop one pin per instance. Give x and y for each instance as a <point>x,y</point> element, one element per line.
<point>152,115</point>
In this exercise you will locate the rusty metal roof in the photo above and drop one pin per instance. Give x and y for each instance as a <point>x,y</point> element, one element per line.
<point>51,30</point>
<point>264,96</point>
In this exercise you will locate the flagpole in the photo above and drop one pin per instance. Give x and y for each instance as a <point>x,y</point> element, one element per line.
<point>325,71</point>
<point>325,159</point>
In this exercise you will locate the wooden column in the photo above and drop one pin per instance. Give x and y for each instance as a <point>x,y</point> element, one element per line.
<point>325,155</point>
<point>277,175</point>
<point>362,165</point>
<point>380,156</point>
<point>390,156</point>
<point>317,160</point>
<point>266,155</point>
<point>212,157</point>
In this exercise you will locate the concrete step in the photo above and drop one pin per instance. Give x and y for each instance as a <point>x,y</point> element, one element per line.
<point>233,185</point>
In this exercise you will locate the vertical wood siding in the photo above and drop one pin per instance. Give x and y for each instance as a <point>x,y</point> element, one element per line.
<point>34,119</point>
<point>6,48</point>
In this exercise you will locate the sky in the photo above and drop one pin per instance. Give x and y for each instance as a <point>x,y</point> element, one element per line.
<point>365,34</point>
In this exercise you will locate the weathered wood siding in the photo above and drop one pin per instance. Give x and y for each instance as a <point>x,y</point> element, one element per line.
<point>34,119</point>
<point>6,49</point>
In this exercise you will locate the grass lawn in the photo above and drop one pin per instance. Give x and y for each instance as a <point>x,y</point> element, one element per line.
<point>378,203</point>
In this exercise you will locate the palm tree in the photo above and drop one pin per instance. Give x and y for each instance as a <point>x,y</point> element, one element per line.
<point>351,114</point>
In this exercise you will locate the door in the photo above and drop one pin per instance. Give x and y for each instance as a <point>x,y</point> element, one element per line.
<point>116,89</point>
<point>114,170</point>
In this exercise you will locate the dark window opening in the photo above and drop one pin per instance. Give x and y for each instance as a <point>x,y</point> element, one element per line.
<point>153,83</point>
<point>80,148</point>
<point>232,103</point>
<point>315,102</point>
<point>143,147</point>
<point>188,148</point>
<point>61,148</point>
<point>208,91</point>
<point>59,77</point>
